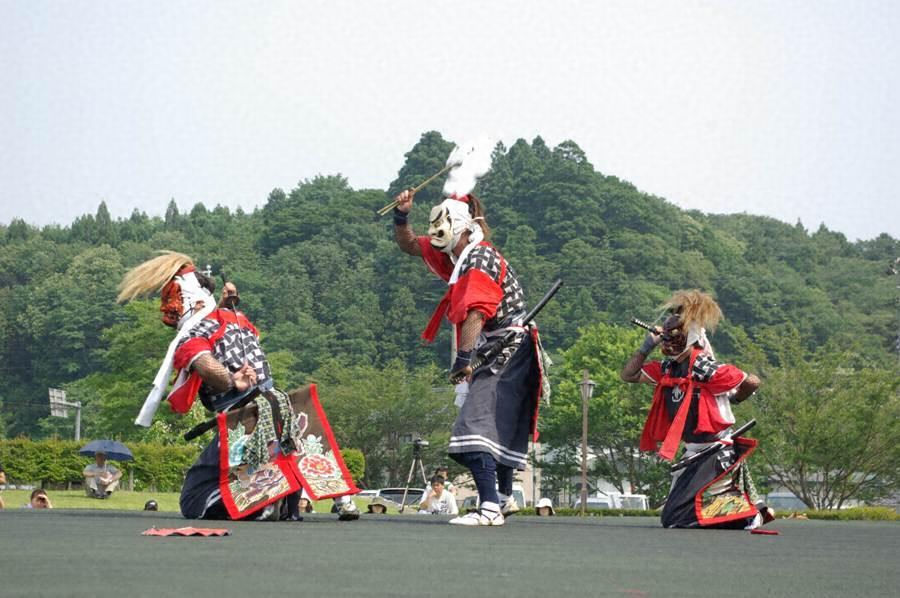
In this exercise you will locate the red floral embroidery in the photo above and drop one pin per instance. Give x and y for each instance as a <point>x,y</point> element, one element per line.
<point>317,465</point>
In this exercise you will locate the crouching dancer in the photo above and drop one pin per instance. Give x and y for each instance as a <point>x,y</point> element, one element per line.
<point>268,445</point>
<point>499,400</point>
<point>692,402</point>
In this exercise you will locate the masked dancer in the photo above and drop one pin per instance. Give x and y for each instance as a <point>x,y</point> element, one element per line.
<point>692,403</point>
<point>268,445</point>
<point>499,400</point>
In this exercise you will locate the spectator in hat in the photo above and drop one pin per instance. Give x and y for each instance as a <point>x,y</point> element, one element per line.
<point>101,478</point>
<point>377,506</point>
<point>544,508</point>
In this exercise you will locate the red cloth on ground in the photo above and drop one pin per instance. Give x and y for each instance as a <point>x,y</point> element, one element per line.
<point>186,531</point>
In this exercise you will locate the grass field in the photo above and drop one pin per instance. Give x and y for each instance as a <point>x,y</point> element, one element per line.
<point>76,499</point>
<point>62,552</point>
<point>122,500</point>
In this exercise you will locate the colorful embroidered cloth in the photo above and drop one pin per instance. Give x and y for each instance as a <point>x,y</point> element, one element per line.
<point>257,469</point>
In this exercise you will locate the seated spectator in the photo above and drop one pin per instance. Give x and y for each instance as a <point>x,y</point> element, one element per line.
<point>39,500</point>
<point>101,478</point>
<point>445,473</point>
<point>377,507</point>
<point>306,506</point>
<point>544,508</point>
<point>438,501</point>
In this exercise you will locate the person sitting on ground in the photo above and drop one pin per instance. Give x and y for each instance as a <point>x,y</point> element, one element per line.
<point>101,478</point>
<point>377,507</point>
<point>306,505</point>
<point>438,501</point>
<point>544,508</point>
<point>445,473</point>
<point>39,500</point>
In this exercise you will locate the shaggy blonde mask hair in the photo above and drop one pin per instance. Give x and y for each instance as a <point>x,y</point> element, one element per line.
<point>695,308</point>
<point>151,276</point>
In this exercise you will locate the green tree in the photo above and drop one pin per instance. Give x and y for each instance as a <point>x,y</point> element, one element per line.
<point>113,394</point>
<point>830,425</point>
<point>426,157</point>
<point>616,412</point>
<point>379,410</point>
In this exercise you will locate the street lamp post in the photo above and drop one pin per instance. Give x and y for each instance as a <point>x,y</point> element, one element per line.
<point>587,390</point>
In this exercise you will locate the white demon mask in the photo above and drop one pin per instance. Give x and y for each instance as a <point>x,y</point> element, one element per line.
<point>447,223</point>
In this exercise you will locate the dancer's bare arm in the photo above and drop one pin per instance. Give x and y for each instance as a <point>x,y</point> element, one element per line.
<point>403,233</point>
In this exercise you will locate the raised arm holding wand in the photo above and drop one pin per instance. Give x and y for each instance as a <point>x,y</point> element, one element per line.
<point>484,301</point>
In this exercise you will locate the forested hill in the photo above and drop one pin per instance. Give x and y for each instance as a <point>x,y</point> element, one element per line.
<point>322,278</point>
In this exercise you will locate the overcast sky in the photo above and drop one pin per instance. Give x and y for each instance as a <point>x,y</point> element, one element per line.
<point>788,109</point>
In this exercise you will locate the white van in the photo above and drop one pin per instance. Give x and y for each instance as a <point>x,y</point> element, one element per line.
<point>614,500</point>
<point>519,494</point>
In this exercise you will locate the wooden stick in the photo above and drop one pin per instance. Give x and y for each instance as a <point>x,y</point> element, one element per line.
<point>419,187</point>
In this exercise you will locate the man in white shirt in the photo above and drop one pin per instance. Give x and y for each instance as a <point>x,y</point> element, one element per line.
<point>438,501</point>
<point>100,478</point>
<point>444,472</point>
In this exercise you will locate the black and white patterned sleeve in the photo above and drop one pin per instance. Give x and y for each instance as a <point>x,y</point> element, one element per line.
<point>483,258</point>
<point>704,368</point>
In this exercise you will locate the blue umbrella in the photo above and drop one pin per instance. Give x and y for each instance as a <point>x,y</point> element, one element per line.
<point>114,450</point>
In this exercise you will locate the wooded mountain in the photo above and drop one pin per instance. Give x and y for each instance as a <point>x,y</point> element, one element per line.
<point>320,275</point>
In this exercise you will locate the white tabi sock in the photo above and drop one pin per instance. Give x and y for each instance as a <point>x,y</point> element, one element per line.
<point>490,506</point>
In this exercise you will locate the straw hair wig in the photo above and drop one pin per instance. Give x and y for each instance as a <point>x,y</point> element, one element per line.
<point>695,309</point>
<point>151,276</point>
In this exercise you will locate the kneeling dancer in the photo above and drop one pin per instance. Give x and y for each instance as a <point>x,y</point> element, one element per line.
<point>268,445</point>
<point>499,400</point>
<point>692,402</point>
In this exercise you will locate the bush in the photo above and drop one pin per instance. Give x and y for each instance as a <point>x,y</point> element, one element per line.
<point>156,467</point>
<point>855,514</point>
<point>355,462</point>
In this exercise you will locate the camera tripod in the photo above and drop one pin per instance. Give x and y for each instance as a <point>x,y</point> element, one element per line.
<point>417,458</point>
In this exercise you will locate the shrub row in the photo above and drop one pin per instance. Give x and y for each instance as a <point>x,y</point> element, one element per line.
<point>854,514</point>
<point>57,462</point>
<point>156,467</point>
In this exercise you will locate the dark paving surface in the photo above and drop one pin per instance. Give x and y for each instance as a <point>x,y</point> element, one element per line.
<point>101,553</point>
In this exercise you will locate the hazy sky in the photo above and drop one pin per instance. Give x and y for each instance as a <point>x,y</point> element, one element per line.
<point>788,109</point>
